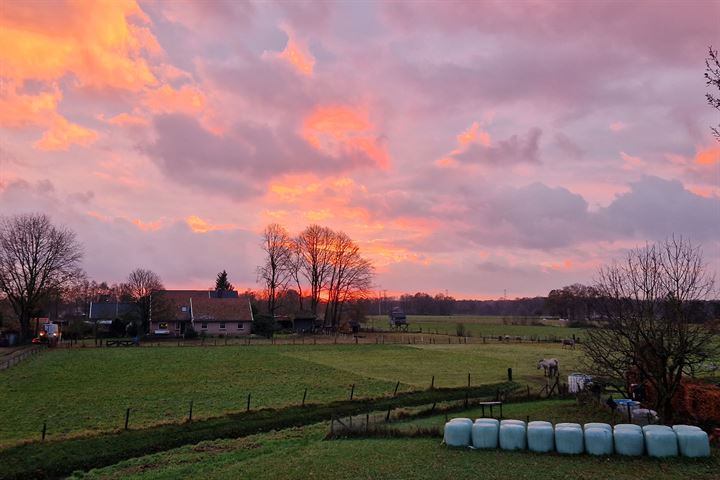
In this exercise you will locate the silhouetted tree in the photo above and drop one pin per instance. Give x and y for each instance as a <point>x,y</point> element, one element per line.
<point>712,79</point>
<point>222,284</point>
<point>36,259</point>
<point>143,287</point>
<point>275,273</point>
<point>649,317</point>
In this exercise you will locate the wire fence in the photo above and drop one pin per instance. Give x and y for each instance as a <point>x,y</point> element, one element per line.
<point>16,356</point>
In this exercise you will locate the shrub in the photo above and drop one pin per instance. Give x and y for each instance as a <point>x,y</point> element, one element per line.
<point>460,329</point>
<point>190,333</point>
<point>263,325</point>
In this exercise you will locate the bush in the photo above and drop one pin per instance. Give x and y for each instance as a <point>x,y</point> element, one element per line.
<point>190,333</point>
<point>460,329</point>
<point>263,325</point>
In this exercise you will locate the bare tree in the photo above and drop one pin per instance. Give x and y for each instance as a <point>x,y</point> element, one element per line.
<point>350,277</point>
<point>36,258</point>
<point>276,273</point>
<point>143,287</point>
<point>712,79</point>
<point>653,326</point>
<point>314,245</point>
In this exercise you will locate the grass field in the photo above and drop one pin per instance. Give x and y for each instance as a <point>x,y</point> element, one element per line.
<point>301,453</point>
<point>85,390</point>
<point>479,325</point>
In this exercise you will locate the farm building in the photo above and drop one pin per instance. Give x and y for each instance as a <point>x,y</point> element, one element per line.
<point>206,311</point>
<point>103,313</point>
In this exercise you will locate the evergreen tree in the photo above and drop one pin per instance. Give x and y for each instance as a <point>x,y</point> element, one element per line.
<point>222,284</point>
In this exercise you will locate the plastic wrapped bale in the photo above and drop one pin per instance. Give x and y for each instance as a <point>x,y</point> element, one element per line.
<point>599,440</point>
<point>692,441</point>
<point>485,434</point>
<point>605,426</point>
<point>629,440</point>
<point>540,437</point>
<point>464,420</point>
<point>512,435</point>
<point>569,438</point>
<point>660,441</point>
<point>494,421</point>
<point>457,434</point>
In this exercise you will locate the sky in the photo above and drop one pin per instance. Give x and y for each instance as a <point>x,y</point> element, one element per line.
<point>480,148</point>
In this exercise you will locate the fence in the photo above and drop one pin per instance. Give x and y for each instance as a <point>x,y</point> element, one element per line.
<point>17,356</point>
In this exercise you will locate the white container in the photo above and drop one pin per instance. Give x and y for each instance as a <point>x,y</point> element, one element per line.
<point>576,381</point>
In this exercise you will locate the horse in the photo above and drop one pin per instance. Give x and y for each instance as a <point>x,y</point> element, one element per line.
<point>551,366</point>
<point>568,342</point>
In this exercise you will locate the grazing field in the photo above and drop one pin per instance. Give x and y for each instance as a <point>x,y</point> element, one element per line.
<point>480,325</point>
<point>84,390</point>
<point>301,453</point>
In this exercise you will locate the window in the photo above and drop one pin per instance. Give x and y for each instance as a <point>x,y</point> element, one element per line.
<point>183,308</point>
<point>241,326</point>
<point>204,325</point>
<point>222,325</point>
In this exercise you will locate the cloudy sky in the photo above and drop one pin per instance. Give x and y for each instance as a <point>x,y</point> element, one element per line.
<point>473,147</point>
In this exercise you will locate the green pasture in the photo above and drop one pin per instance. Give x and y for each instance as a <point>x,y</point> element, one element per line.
<point>480,325</point>
<point>87,390</point>
<point>301,453</point>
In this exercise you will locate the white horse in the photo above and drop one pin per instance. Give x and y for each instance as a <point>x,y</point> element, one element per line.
<point>551,366</point>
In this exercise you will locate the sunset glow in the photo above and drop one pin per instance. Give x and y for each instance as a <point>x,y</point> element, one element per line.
<point>472,149</point>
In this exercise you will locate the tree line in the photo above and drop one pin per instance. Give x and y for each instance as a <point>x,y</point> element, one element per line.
<point>319,267</point>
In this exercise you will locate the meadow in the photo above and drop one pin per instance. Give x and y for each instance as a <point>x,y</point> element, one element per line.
<point>482,325</point>
<point>301,453</point>
<point>81,391</point>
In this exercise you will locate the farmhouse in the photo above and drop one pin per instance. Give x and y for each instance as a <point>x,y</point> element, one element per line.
<point>208,312</point>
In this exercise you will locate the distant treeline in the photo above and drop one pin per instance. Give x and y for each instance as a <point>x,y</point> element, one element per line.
<point>576,303</point>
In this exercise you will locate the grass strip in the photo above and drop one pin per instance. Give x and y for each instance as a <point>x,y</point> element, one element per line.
<point>56,458</point>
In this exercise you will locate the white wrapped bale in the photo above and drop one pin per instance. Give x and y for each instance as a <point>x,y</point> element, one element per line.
<point>629,440</point>
<point>660,441</point>
<point>485,435</point>
<point>461,419</point>
<point>494,421</point>
<point>599,440</point>
<point>512,435</point>
<point>457,434</point>
<point>569,438</point>
<point>692,441</point>
<point>540,437</point>
<point>605,426</point>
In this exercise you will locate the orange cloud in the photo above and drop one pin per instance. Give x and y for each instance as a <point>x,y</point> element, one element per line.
<point>126,119</point>
<point>147,226</point>
<point>92,40</point>
<point>297,55</point>
<point>198,225</point>
<point>341,130</point>
<point>167,99</point>
<point>474,134</point>
<point>708,156</point>
<point>631,163</point>
<point>62,134</point>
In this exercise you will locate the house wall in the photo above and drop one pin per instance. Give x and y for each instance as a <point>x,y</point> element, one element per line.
<point>213,328</point>
<point>231,328</point>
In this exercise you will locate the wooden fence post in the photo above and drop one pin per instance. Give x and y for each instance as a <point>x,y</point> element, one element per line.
<point>248,403</point>
<point>397,385</point>
<point>44,430</point>
<point>127,417</point>
<point>352,391</point>
<point>509,372</point>
<point>432,382</point>
<point>190,412</point>
<point>304,396</point>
